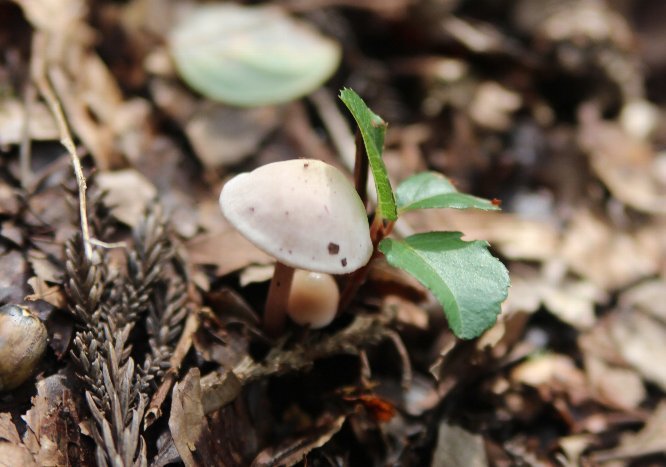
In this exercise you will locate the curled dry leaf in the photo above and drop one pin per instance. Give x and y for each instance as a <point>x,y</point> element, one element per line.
<point>186,420</point>
<point>294,451</point>
<point>552,374</point>
<point>223,136</point>
<point>41,126</point>
<point>51,436</point>
<point>13,277</point>
<point>621,388</point>
<point>588,21</point>
<point>640,340</point>
<point>493,105</point>
<point>649,297</point>
<point>50,294</point>
<point>626,165</point>
<point>589,239</point>
<point>128,194</point>
<point>650,440</point>
<point>229,251</point>
<point>457,447</point>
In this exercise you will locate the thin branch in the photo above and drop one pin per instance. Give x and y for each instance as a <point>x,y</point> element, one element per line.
<point>44,86</point>
<point>25,154</point>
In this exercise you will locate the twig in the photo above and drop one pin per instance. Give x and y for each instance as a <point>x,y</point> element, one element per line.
<point>154,410</point>
<point>44,86</point>
<point>107,245</point>
<point>219,389</point>
<point>26,144</point>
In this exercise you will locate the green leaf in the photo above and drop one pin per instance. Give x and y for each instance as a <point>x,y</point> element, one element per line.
<point>434,190</point>
<point>464,277</point>
<point>251,55</point>
<point>373,129</point>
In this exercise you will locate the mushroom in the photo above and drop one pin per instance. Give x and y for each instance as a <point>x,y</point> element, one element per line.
<point>22,344</point>
<point>307,215</point>
<point>313,300</point>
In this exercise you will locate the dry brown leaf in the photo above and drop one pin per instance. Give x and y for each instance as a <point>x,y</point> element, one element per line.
<point>572,448</point>
<point>13,276</point>
<point>53,294</point>
<point>598,342</point>
<point>407,312</point>
<point>129,193</point>
<point>43,266</point>
<point>256,273</point>
<point>650,440</point>
<point>12,232</point>
<point>457,447</point>
<point>41,125</point>
<point>575,21</point>
<point>607,256</point>
<point>50,437</point>
<point>186,420</point>
<point>649,297</point>
<point>44,436</point>
<point>174,99</point>
<point>493,105</point>
<point>8,429</point>
<point>620,388</point>
<point>625,164</point>
<point>524,294</point>
<point>228,250</point>
<point>224,136</point>
<point>9,201</point>
<point>573,302</point>
<point>294,451</point>
<point>640,340</point>
<point>12,455</point>
<point>552,373</point>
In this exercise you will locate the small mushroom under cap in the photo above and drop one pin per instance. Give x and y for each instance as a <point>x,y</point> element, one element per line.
<point>303,212</point>
<point>313,300</point>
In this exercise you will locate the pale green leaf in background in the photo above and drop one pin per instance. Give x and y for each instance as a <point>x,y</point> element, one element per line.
<point>373,129</point>
<point>465,278</point>
<point>251,55</point>
<point>434,190</point>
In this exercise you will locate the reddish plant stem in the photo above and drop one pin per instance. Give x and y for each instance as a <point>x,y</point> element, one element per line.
<point>378,231</point>
<point>275,310</point>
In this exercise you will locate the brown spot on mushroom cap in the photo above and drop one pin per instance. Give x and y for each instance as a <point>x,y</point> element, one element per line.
<point>343,261</point>
<point>333,248</point>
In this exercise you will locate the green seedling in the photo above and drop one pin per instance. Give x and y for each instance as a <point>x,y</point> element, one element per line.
<point>308,216</point>
<point>465,278</point>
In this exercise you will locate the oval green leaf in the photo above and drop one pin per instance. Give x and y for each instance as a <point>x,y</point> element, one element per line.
<point>433,190</point>
<point>251,56</point>
<point>465,278</point>
<point>373,129</point>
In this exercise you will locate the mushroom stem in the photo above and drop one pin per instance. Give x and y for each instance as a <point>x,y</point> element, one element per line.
<point>275,310</point>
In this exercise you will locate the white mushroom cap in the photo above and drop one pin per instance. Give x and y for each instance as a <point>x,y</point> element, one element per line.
<point>303,212</point>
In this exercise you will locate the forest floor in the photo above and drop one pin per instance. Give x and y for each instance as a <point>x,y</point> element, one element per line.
<point>156,351</point>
